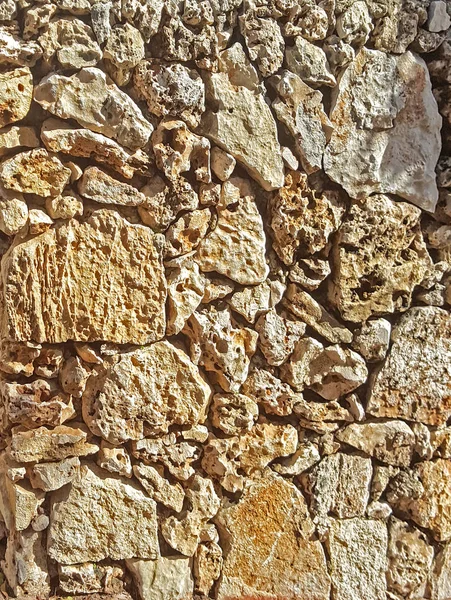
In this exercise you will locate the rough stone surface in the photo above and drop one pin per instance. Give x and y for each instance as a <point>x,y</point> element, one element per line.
<point>16,93</point>
<point>385,118</point>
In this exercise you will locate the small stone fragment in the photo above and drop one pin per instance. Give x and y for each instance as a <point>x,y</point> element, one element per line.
<point>186,287</point>
<point>278,336</point>
<point>207,566</point>
<point>264,42</point>
<point>233,414</point>
<point>38,221</point>
<point>53,475</point>
<point>187,232</point>
<point>66,206</point>
<point>438,18</point>
<point>275,397</point>
<point>17,136</point>
<point>97,185</point>
<point>25,564</point>
<point>13,211</point>
<point>124,49</point>
<point>309,62</point>
<point>159,488</point>
<point>113,459</point>
<point>222,163</point>
<point>16,52</point>
<point>73,43</point>
<point>372,339</point>
<point>16,93</point>
<point>305,457</point>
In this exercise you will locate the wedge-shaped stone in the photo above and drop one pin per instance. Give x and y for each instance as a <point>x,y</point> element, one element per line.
<point>141,393</point>
<point>414,382</point>
<point>378,257</point>
<point>387,129</point>
<point>77,274</point>
<point>95,102</point>
<point>236,247</point>
<point>16,137</point>
<point>241,122</point>
<point>97,185</point>
<point>270,554</point>
<point>119,520</point>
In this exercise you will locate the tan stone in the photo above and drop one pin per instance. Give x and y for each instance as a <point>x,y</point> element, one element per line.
<point>34,172</point>
<point>38,221</point>
<point>357,549</point>
<point>309,62</point>
<point>97,185</point>
<point>171,451</point>
<point>167,577</point>
<point>99,252</point>
<point>115,460</point>
<point>305,457</point>
<point>143,392</point>
<point>53,475</point>
<point>250,302</point>
<point>66,206</point>
<point>123,51</point>
<point>391,442</point>
<point>42,444</point>
<point>241,122</point>
<point>274,396</point>
<point>186,287</point>
<point>119,521</point>
<point>271,519</point>
<point>13,211</point>
<point>120,118</point>
<point>159,488</point>
<point>264,42</point>
<point>221,348</point>
<point>17,136</point>
<point>25,564</point>
<point>58,136</point>
<point>222,163</point>
<point>278,336</point>
<point>72,41</point>
<point>378,257</point>
<point>16,93</point>
<point>233,414</point>
<point>236,246</point>
<point>17,52</point>
<point>187,232</point>
<point>441,574</point>
<point>207,566</point>
<point>372,339</point>
<point>88,578</point>
<point>414,382</point>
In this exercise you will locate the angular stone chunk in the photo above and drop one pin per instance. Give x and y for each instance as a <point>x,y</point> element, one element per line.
<point>409,560</point>
<point>25,564</point>
<point>357,549</point>
<point>301,221</point>
<point>236,246</point>
<point>16,137</point>
<point>441,575</point>
<point>103,266</point>
<point>387,129</point>
<point>278,336</point>
<point>171,89</point>
<point>167,577</point>
<point>372,339</point>
<point>119,520</point>
<point>58,136</point>
<point>53,475</point>
<point>241,122</point>
<point>34,172</point>
<point>391,442</point>
<point>97,185</point>
<point>223,349</point>
<point>16,93</point>
<point>95,102</point>
<point>134,394</point>
<point>159,488</point>
<point>186,287</point>
<point>49,444</point>
<point>378,258</point>
<point>340,484</point>
<point>300,109</point>
<point>123,51</point>
<point>415,380</point>
<point>429,503</point>
<point>264,42</point>
<point>309,62</point>
<point>73,43</point>
<point>233,414</point>
<point>13,211</point>
<point>17,52</point>
<point>269,551</point>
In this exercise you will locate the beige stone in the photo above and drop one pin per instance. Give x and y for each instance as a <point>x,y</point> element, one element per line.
<point>171,89</point>
<point>116,402</point>
<point>19,503</point>
<point>159,488</point>
<point>236,246</point>
<point>302,222</point>
<point>305,457</point>
<point>414,381</point>
<point>185,234</point>
<point>278,336</point>
<point>274,396</point>
<point>372,339</point>
<point>222,163</point>
<point>207,566</point>
<point>16,93</point>
<point>72,42</point>
<point>309,272</point>
<point>387,129</point>
<point>320,415</point>
<point>17,52</point>
<point>58,136</point>
<point>309,62</point>
<point>186,287</point>
<point>97,185</point>
<point>88,578</point>
<point>167,577</point>
<point>25,564</point>
<point>42,444</point>
<point>13,211</point>
<point>38,221</point>
<point>53,475</point>
<point>66,206</point>
<point>233,414</point>
<point>171,451</point>
<point>119,521</point>
<point>441,574</point>
<point>357,549</point>
<point>264,42</point>
<point>272,519</point>
<point>34,172</point>
<point>391,442</point>
<point>242,123</point>
<point>378,257</point>
<point>105,108</point>
<point>115,460</point>
<point>223,349</point>
<point>123,50</point>
<point>340,485</point>
<point>99,252</point>
<point>17,136</point>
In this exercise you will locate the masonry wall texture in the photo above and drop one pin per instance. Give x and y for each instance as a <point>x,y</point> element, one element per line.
<point>225,292</point>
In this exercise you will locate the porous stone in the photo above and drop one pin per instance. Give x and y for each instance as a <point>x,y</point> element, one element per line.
<point>160,489</point>
<point>186,287</point>
<point>17,52</point>
<point>124,49</point>
<point>283,559</point>
<point>16,93</point>
<point>134,251</point>
<point>241,122</point>
<point>271,393</point>
<point>377,273</point>
<point>119,520</point>
<point>72,42</point>
<point>13,211</point>
<point>185,234</point>
<point>115,460</point>
<point>264,42</point>
<point>116,400</point>
<point>278,336</point>
<point>385,116</point>
<point>372,339</point>
<point>420,338</point>
<point>233,413</point>
<point>105,108</point>
<point>25,564</point>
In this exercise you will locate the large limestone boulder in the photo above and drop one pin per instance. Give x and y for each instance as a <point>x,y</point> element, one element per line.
<point>101,279</point>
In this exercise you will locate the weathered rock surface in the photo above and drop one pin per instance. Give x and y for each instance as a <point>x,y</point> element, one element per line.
<point>94,256</point>
<point>421,338</point>
<point>73,43</point>
<point>97,185</point>
<point>387,127</point>
<point>16,93</point>
<point>166,577</point>
<point>141,393</point>
<point>119,520</point>
<point>283,559</point>
<point>105,108</point>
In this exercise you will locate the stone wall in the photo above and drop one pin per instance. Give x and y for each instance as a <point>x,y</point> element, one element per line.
<point>225,337</point>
